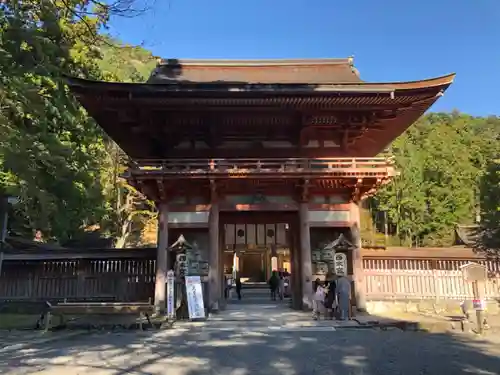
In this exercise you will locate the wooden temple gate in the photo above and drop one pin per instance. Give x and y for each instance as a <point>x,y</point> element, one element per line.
<point>278,136</point>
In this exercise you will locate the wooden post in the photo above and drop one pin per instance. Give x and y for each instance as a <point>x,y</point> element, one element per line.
<point>477,290</point>
<point>357,266</point>
<point>81,270</point>
<point>1,262</point>
<point>161,259</point>
<point>214,277</point>
<point>305,256</point>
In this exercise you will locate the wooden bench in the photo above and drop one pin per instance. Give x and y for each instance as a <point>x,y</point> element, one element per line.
<point>62,309</point>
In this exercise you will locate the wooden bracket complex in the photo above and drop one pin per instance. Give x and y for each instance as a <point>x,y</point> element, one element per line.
<point>356,195</point>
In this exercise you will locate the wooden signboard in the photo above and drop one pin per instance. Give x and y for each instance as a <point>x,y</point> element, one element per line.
<point>194,292</point>
<point>477,275</point>
<point>474,272</point>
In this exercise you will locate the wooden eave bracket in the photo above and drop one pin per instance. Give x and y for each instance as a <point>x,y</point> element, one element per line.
<point>357,193</point>
<point>161,189</point>
<point>380,182</point>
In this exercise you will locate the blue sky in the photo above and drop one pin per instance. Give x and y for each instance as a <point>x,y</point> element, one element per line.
<point>390,40</point>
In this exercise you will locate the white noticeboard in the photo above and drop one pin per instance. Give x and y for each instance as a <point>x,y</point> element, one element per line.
<point>170,294</point>
<point>194,292</point>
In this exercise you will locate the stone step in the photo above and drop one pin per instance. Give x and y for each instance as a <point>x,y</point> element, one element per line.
<point>255,285</point>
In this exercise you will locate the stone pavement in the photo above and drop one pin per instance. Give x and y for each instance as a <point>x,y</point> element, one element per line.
<point>199,350</point>
<point>274,316</point>
<point>18,339</point>
<point>260,338</point>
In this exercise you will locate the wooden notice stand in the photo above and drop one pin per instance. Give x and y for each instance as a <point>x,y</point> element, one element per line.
<point>477,275</point>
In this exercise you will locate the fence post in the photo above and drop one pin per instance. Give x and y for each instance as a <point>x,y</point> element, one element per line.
<point>81,272</point>
<point>437,288</point>
<point>394,286</point>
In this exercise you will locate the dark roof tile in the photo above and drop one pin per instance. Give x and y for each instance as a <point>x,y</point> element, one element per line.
<point>308,71</point>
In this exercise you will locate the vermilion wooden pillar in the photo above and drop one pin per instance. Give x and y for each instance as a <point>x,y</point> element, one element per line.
<point>214,276</point>
<point>161,259</point>
<point>305,256</point>
<point>357,266</point>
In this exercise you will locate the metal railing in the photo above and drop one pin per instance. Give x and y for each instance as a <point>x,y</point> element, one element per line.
<point>347,167</point>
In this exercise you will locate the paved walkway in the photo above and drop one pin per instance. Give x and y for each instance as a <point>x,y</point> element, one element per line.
<point>270,316</point>
<point>260,338</point>
<point>201,350</point>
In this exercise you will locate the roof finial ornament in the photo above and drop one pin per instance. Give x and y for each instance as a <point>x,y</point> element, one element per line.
<point>351,59</point>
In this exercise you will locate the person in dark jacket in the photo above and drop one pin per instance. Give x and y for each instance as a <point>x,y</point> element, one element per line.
<point>330,299</point>
<point>238,287</point>
<point>274,283</point>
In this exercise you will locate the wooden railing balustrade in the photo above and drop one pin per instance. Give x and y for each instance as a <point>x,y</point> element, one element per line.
<point>342,167</point>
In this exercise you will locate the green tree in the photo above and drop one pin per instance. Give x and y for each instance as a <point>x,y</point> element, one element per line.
<point>489,238</point>
<point>51,153</point>
<point>442,159</point>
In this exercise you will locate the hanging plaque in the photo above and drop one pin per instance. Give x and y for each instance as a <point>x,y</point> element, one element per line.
<point>182,265</point>
<point>340,260</point>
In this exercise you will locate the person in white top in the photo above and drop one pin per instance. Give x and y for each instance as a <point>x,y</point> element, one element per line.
<point>318,299</point>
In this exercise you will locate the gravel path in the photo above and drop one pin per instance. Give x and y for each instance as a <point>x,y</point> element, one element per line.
<point>266,351</point>
<point>241,349</point>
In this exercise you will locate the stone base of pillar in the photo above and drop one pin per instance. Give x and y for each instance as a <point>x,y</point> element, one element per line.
<point>307,303</point>
<point>214,308</point>
<point>360,301</point>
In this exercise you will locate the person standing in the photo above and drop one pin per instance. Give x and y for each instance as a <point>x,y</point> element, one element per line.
<point>238,287</point>
<point>343,290</point>
<point>274,281</point>
<point>281,275</point>
<point>318,299</point>
<point>330,299</point>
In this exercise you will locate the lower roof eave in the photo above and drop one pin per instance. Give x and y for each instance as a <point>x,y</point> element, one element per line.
<point>79,86</point>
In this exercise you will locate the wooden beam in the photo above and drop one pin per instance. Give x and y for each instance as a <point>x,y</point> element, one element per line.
<point>304,197</point>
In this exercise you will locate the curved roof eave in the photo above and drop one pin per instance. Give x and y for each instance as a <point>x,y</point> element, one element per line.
<point>368,87</point>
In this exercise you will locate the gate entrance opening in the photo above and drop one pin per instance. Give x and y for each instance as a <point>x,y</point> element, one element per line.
<point>255,244</point>
<point>253,251</point>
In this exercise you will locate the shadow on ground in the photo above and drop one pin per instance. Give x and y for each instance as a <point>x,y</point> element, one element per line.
<point>245,349</point>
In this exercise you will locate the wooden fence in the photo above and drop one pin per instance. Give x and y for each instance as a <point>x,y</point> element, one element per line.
<point>403,274</point>
<point>108,274</point>
<point>129,275</point>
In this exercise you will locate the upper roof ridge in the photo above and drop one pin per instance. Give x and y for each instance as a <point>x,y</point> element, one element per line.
<point>256,62</point>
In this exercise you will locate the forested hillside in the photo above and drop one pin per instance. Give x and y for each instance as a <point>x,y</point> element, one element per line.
<point>66,172</point>
<point>55,158</point>
<point>447,178</point>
